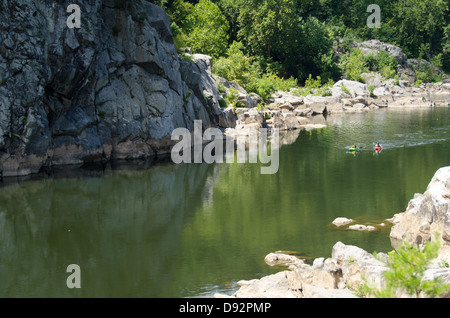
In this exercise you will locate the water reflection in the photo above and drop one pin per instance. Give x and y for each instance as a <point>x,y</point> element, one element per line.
<point>122,232</point>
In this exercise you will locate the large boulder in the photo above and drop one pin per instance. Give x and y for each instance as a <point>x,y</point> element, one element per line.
<point>427,214</point>
<point>354,88</point>
<point>375,46</point>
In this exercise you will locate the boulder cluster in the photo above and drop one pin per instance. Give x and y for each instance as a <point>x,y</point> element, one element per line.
<point>427,218</point>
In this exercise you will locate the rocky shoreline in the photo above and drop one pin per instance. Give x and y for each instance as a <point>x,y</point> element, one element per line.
<point>340,275</point>
<point>286,111</point>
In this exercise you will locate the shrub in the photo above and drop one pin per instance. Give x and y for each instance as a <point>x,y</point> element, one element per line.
<point>353,65</point>
<point>425,74</point>
<point>406,271</point>
<point>314,87</point>
<point>232,97</point>
<point>264,86</point>
<point>236,66</point>
<point>242,69</point>
<point>386,64</point>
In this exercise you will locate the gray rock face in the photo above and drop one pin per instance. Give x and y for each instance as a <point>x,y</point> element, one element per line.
<point>374,46</point>
<point>113,89</point>
<point>427,214</point>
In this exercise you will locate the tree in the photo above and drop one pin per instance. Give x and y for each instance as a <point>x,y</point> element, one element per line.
<point>420,25</point>
<point>276,31</point>
<point>208,29</point>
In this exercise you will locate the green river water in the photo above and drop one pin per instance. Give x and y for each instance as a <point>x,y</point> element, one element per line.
<point>191,230</point>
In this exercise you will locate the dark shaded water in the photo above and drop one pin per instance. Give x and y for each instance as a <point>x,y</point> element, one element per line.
<point>192,230</point>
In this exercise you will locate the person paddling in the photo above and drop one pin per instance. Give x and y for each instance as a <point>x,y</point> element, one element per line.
<point>378,148</point>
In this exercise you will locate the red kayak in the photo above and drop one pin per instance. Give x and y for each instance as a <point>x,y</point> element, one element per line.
<point>378,148</point>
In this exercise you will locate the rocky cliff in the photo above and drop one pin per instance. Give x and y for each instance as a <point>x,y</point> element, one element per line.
<point>113,89</point>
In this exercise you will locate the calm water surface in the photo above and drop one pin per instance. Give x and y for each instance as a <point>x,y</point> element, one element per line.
<point>169,230</point>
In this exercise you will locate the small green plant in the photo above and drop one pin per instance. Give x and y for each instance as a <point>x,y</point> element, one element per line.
<point>232,97</point>
<point>345,89</point>
<point>221,88</point>
<point>313,83</point>
<point>406,271</point>
<point>222,103</point>
<point>260,107</point>
<point>325,89</point>
<point>371,89</point>
<point>314,87</point>
<point>444,264</point>
<point>187,57</point>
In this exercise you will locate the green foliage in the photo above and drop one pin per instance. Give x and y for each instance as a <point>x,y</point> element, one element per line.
<point>425,74</point>
<point>354,64</point>
<point>406,271</point>
<point>297,37</point>
<point>209,29</point>
<point>345,89</point>
<point>314,87</point>
<point>274,30</point>
<point>264,86</point>
<point>313,83</point>
<point>236,66</point>
<point>242,69</point>
<point>419,25</point>
<point>371,89</point>
<point>386,64</point>
<point>232,97</point>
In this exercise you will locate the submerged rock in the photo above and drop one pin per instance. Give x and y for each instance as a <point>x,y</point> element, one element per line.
<point>342,221</point>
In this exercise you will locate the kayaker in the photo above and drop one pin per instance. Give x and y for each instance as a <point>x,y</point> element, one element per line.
<point>378,146</point>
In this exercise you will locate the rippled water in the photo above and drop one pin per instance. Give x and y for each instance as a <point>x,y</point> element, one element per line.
<point>164,230</point>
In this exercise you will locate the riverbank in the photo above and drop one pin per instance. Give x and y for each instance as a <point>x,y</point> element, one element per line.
<point>350,266</point>
<point>286,111</point>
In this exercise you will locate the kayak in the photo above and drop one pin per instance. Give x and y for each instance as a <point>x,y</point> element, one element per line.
<point>354,149</point>
<point>377,148</point>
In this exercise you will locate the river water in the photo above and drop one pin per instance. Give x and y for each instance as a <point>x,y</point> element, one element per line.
<point>165,230</point>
